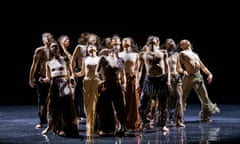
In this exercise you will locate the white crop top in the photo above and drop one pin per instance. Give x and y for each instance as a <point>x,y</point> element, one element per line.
<point>57,68</point>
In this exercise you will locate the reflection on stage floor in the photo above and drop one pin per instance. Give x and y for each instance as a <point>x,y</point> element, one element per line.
<point>17,127</point>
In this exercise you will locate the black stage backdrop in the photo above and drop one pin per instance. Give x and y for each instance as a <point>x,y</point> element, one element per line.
<point>212,31</point>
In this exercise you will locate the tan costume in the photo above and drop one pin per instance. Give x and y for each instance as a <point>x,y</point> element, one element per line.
<point>90,93</point>
<point>132,100</point>
<point>195,81</point>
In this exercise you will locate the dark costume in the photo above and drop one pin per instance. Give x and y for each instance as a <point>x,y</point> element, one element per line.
<point>155,88</point>
<point>42,93</point>
<point>61,112</point>
<point>78,96</point>
<point>175,107</point>
<point>111,98</point>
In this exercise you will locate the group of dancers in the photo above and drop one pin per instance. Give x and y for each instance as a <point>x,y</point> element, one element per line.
<point>116,85</point>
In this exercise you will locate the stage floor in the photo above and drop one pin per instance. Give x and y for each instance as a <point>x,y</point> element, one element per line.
<point>17,126</point>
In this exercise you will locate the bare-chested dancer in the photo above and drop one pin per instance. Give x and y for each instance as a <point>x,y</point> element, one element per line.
<point>64,42</point>
<point>157,81</point>
<point>193,79</point>
<point>175,108</point>
<point>116,42</point>
<point>107,45</point>
<point>37,70</point>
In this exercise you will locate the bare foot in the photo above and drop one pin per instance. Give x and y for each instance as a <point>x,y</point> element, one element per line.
<point>179,124</point>
<point>165,129</point>
<point>45,131</point>
<point>62,133</point>
<point>38,126</point>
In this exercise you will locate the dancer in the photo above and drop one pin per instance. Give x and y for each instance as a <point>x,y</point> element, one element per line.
<point>193,79</point>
